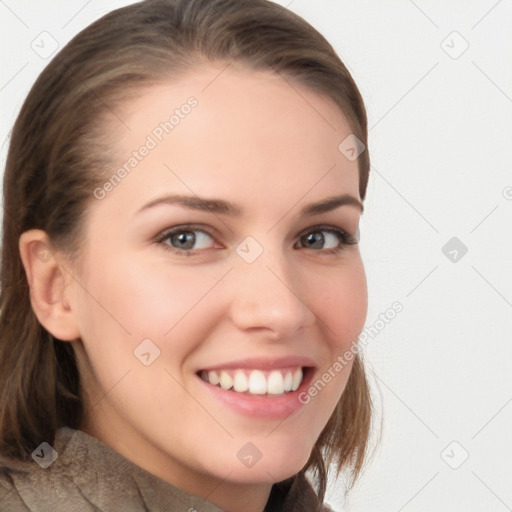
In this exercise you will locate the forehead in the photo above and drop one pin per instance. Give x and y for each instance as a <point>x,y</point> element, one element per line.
<point>223,130</point>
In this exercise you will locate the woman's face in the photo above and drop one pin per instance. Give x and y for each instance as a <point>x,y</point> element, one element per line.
<point>260,288</point>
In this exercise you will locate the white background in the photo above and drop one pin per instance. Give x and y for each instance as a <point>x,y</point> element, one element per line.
<point>440,137</point>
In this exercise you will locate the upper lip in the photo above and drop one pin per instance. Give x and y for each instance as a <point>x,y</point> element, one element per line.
<point>263,363</point>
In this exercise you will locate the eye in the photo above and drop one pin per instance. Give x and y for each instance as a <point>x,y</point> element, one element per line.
<point>327,238</point>
<point>184,240</point>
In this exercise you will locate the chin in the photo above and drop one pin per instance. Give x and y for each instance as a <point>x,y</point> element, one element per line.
<point>270,469</point>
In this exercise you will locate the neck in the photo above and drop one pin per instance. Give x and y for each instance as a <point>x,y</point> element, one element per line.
<point>225,494</point>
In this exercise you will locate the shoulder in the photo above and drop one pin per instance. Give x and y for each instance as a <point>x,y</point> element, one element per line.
<point>10,499</point>
<point>295,495</point>
<point>25,486</point>
<point>41,484</point>
<point>310,499</point>
<point>79,473</point>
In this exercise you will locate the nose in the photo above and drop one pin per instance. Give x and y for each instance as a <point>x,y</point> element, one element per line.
<point>267,297</point>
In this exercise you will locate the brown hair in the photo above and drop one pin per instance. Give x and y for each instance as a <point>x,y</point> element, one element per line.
<point>51,172</point>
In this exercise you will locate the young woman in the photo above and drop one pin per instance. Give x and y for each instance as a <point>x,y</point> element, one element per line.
<point>181,286</point>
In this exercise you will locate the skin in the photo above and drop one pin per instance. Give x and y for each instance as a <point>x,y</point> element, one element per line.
<point>271,149</point>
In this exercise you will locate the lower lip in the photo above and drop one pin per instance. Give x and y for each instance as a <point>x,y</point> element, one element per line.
<point>262,406</point>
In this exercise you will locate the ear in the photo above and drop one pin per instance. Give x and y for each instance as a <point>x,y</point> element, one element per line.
<point>48,280</point>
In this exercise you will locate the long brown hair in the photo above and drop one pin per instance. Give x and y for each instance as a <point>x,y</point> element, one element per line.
<point>58,156</point>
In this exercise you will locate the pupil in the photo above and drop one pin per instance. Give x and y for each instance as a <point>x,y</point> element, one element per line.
<point>182,239</point>
<point>312,238</point>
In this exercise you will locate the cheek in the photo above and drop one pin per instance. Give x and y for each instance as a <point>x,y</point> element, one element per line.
<point>341,303</point>
<point>165,302</point>
<point>127,301</point>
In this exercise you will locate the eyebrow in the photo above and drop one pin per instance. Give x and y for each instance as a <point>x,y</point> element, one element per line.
<point>223,207</point>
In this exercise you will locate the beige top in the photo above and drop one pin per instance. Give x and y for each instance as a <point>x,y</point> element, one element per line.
<point>90,476</point>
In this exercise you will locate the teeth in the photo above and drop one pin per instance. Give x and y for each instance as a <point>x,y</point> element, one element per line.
<point>297,379</point>
<point>287,381</point>
<point>214,378</point>
<point>240,382</point>
<point>275,383</point>
<point>226,382</point>
<point>256,382</point>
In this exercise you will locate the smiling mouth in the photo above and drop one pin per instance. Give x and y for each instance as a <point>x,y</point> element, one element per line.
<point>269,383</point>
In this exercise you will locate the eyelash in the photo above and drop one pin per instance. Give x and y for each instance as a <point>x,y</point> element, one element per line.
<point>344,238</point>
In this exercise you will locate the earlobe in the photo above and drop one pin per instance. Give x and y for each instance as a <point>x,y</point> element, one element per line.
<point>47,280</point>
